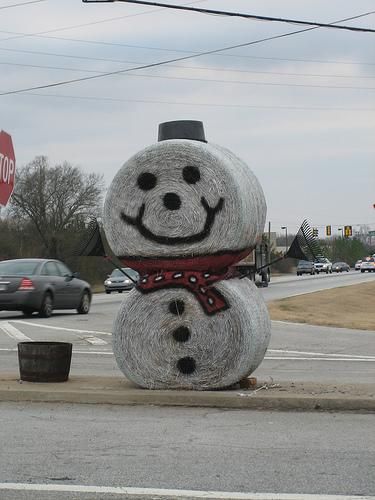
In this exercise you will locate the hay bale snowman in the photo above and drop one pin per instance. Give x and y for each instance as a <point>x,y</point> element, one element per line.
<point>182,212</point>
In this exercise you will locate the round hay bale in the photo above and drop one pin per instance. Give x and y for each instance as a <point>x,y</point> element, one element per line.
<point>183,198</point>
<point>164,340</point>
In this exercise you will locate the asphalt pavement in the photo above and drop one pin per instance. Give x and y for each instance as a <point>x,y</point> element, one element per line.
<point>305,367</point>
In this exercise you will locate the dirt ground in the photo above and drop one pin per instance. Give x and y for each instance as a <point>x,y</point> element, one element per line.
<point>346,307</point>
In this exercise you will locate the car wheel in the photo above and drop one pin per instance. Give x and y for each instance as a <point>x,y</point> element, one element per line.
<point>119,291</point>
<point>362,270</point>
<point>46,308</point>
<point>107,291</point>
<point>84,305</point>
<point>27,312</point>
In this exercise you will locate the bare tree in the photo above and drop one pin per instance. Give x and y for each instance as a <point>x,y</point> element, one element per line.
<point>55,199</point>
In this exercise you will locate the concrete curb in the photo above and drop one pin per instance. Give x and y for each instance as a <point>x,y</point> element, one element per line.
<point>264,396</point>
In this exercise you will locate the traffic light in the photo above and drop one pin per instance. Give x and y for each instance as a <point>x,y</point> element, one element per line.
<point>328,230</point>
<point>315,232</point>
<point>348,231</point>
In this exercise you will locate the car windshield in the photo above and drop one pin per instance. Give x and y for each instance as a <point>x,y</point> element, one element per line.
<point>304,263</point>
<point>18,268</point>
<point>116,273</point>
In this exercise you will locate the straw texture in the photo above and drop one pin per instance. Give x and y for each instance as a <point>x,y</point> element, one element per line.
<point>183,199</point>
<point>149,340</point>
<point>238,225</point>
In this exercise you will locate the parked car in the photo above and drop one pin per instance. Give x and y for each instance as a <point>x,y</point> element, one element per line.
<point>117,281</point>
<point>323,265</point>
<point>368,265</point>
<point>41,285</point>
<point>357,265</point>
<point>305,267</point>
<point>339,267</point>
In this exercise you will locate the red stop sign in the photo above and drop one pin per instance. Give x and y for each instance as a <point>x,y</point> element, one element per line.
<point>7,167</point>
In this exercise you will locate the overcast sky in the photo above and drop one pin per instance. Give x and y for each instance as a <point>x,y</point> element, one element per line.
<point>299,110</point>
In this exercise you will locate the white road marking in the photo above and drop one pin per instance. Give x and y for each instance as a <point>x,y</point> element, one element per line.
<point>322,354</point>
<point>308,325</point>
<point>75,330</point>
<point>13,332</point>
<point>94,340</point>
<point>108,353</point>
<point>299,358</point>
<point>164,493</point>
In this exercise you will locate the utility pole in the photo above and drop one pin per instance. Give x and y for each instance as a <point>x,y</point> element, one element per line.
<point>286,237</point>
<point>269,242</point>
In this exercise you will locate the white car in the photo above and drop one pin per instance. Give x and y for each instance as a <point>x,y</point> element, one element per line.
<point>323,265</point>
<point>368,265</point>
<point>357,265</point>
<point>118,280</point>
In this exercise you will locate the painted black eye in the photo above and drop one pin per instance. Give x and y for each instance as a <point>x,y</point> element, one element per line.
<point>191,175</point>
<point>146,181</point>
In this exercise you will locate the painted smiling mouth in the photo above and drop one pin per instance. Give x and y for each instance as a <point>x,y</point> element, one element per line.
<point>169,240</point>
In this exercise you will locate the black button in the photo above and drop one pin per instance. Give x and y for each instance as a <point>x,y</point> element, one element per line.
<point>181,334</point>
<point>186,365</point>
<point>177,307</point>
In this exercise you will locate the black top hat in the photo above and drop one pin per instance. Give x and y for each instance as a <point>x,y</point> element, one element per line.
<point>182,129</point>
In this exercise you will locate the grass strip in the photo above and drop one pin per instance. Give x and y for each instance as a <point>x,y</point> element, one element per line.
<point>344,307</point>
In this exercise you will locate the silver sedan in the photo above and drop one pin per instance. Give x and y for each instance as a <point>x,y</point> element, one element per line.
<point>41,285</point>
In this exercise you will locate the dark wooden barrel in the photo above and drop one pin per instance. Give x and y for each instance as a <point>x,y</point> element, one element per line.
<point>44,361</point>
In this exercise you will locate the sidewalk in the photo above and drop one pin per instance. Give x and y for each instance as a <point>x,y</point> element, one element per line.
<point>263,396</point>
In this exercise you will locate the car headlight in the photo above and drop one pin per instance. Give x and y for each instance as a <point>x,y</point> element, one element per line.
<point>107,282</point>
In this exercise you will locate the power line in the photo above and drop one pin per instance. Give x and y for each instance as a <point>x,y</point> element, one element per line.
<point>238,14</point>
<point>43,34</point>
<point>177,66</point>
<point>19,4</point>
<point>198,104</point>
<point>278,73</point>
<point>83,25</point>
<point>122,61</point>
<point>239,82</point>
<point>168,61</point>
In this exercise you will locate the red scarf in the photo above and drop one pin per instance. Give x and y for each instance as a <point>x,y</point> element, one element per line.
<point>195,274</point>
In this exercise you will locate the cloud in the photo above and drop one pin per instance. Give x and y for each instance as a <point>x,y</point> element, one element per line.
<point>315,163</point>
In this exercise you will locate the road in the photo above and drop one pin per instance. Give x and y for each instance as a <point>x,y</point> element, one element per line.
<point>296,352</point>
<point>289,286</point>
<point>86,452</point>
<point>185,449</point>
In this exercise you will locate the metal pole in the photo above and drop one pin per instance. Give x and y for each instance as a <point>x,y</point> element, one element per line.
<point>269,242</point>
<point>286,237</point>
